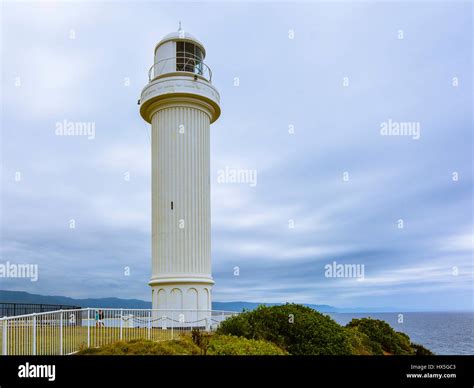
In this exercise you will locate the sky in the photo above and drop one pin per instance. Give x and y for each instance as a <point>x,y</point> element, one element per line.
<point>305,90</point>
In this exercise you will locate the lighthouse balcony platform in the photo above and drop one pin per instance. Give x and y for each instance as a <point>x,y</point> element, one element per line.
<point>180,65</point>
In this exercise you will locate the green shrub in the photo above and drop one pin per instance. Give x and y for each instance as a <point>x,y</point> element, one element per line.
<point>381,334</point>
<point>295,328</point>
<point>361,344</point>
<point>237,325</point>
<point>228,345</point>
<point>421,350</point>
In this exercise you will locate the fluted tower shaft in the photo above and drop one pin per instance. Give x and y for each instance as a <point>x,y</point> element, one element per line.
<point>180,103</point>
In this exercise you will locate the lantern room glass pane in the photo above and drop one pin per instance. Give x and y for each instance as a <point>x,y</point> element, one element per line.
<point>180,56</point>
<point>198,56</point>
<point>188,58</point>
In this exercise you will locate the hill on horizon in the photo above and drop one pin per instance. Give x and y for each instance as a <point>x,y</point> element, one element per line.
<point>113,302</point>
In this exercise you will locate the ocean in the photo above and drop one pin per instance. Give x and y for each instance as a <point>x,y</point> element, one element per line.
<point>449,333</point>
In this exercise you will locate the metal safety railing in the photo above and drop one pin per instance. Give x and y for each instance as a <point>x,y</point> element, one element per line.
<point>180,63</point>
<point>12,308</point>
<point>67,331</point>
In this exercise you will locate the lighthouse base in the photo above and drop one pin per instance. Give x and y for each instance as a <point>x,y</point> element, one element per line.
<point>181,296</point>
<point>181,305</point>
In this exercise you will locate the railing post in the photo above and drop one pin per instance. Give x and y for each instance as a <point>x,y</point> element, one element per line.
<point>172,326</point>
<point>61,332</point>
<point>34,335</point>
<point>88,327</point>
<point>149,324</point>
<point>121,324</point>
<point>4,336</point>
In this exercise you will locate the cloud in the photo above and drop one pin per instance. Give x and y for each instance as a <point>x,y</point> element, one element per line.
<point>461,242</point>
<point>300,176</point>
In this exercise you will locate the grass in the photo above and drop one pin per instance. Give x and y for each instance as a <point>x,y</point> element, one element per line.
<point>185,345</point>
<point>180,346</point>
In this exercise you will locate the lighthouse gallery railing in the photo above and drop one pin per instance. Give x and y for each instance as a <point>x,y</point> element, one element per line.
<point>67,331</point>
<point>178,64</point>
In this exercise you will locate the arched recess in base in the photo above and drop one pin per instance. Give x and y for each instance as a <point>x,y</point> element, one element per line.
<point>161,299</point>
<point>192,301</point>
<point>204,300</point>
<point>176,299</point>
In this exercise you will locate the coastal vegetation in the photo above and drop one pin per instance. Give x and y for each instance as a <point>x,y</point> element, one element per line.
<point>303,331</point>
<point>289,329</point>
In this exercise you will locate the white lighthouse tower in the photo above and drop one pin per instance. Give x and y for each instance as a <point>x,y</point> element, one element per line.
<point>180,102</point>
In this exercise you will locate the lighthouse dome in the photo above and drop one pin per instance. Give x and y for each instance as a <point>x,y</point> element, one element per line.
<point>180,52</point>
<point>179,70</point>
<point>182,36</point>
